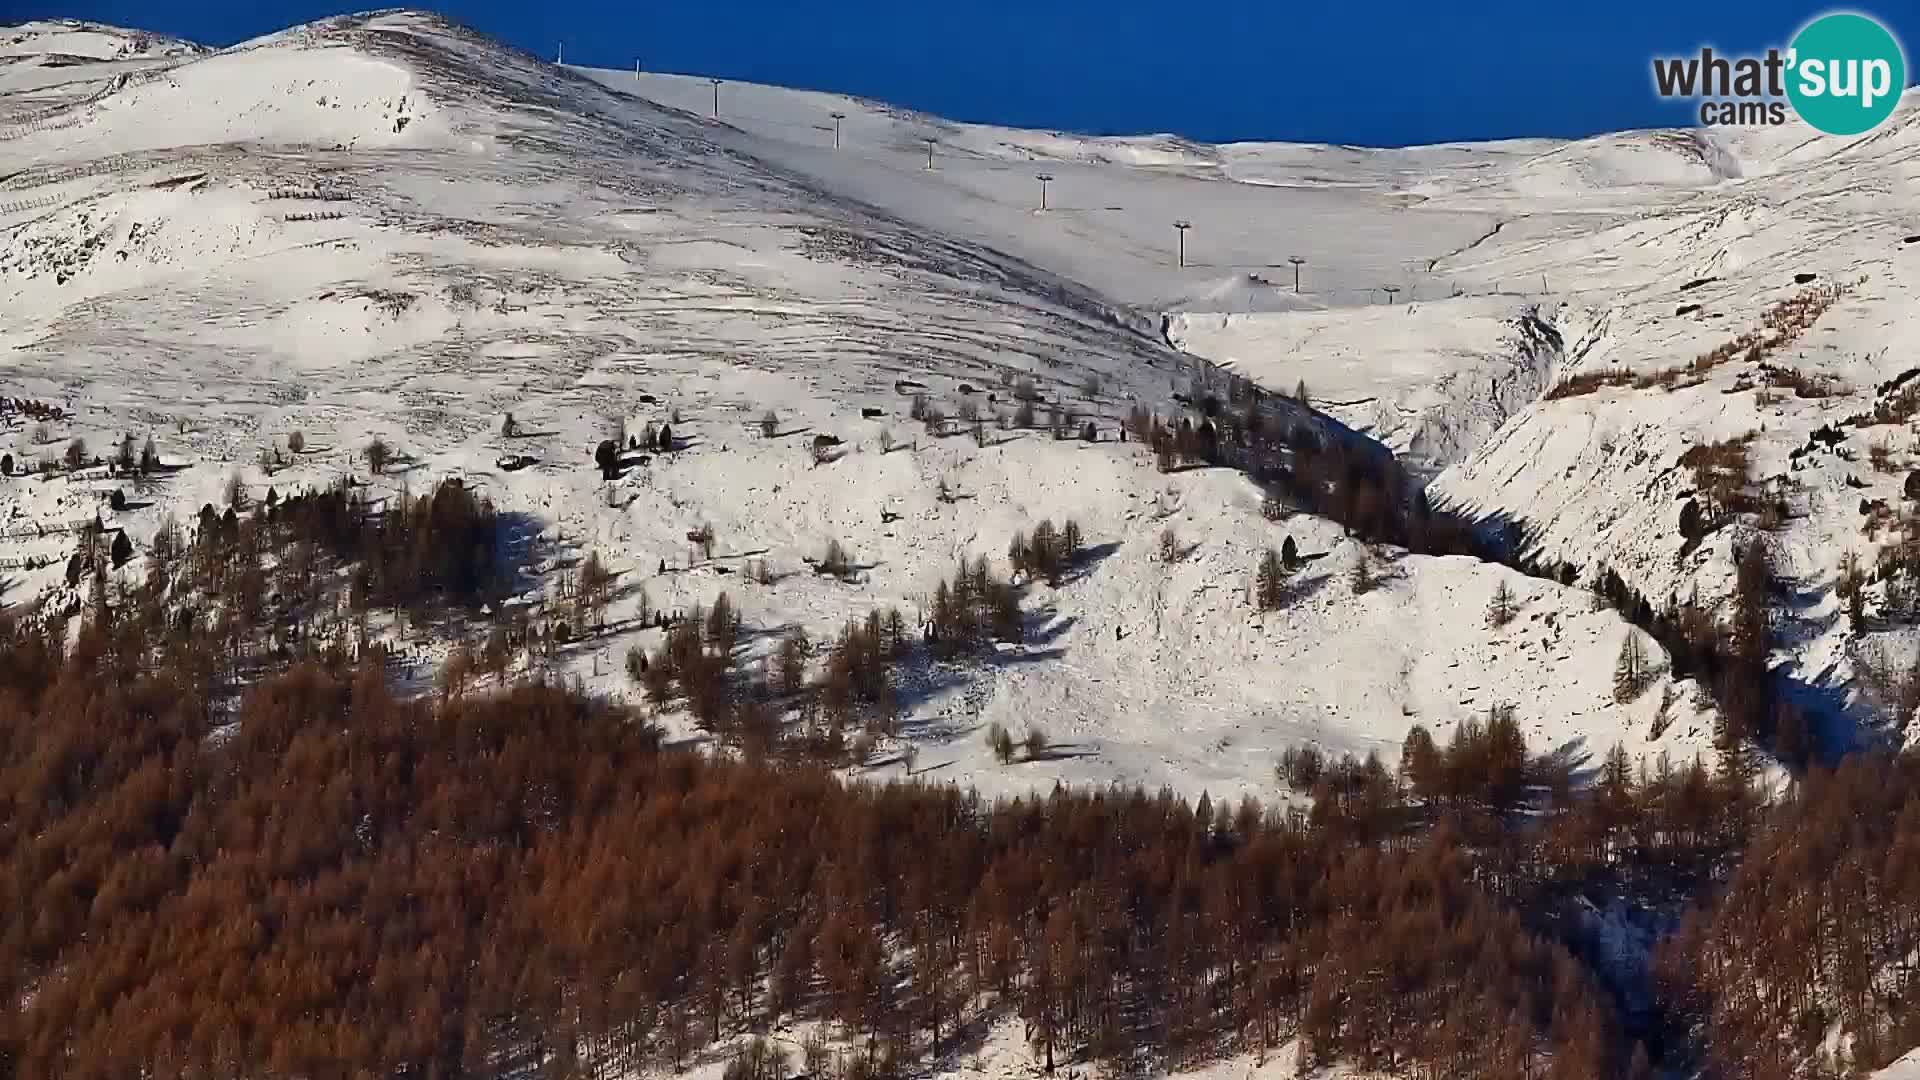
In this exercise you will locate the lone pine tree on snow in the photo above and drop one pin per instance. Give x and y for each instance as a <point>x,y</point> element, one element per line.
<point>1502,608</point>
<point>1630,670</point>
<point>1269,585</point>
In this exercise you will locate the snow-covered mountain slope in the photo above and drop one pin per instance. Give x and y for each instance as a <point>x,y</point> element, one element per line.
<point>1431,380</point>
<point>1511,265</point>
<point>1819,266</point>
<point>1363,219</point>
<point>1476,238</point>
<point>49,66</point>
<point>1168,671</point>
<point>386,225</point>
<point>1355,216</point>
<point>50,41</point>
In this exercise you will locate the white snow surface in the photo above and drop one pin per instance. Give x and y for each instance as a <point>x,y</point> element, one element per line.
<point>47,67</point>
<point>1002,1051</point>
<point>1907,1068</point>
<point>1598,476</point>
<point>389,225</point>
<point>1430,379</point>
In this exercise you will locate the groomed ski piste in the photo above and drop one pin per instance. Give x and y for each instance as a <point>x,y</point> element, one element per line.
<point>387,225</point>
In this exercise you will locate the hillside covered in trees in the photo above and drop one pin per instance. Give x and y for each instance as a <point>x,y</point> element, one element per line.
<point>540,523</point>
<point>330,878</point>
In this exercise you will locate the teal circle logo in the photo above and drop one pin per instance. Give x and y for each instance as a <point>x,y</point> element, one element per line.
<point>1846,73</point>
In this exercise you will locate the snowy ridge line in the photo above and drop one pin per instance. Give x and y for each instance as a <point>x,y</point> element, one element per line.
<point>133,44</point>
<point>1465,190</point>
<point>1417,289</point>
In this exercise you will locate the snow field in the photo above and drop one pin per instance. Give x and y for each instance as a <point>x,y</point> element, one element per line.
<point>606,260</point>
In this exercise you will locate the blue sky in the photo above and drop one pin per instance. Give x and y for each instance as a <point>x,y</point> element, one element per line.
<point>1387,72</point>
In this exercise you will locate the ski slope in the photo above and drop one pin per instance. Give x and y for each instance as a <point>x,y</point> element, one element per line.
<point>387,225</point>
<point>1362,219</point>
<point>1459,282</point>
